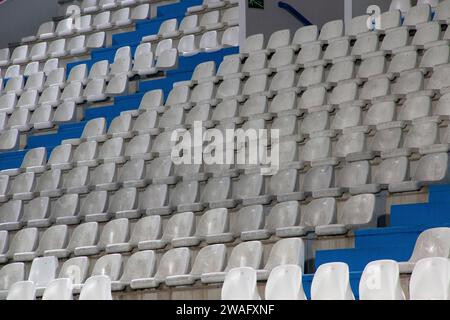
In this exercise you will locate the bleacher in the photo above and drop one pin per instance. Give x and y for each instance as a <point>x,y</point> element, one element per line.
<point>94,207</point>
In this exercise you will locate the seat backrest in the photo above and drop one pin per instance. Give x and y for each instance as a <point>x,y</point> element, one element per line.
<point>55,237</point>
<point>115,231</point>
<point>358,210</point>
<point>59,289</point>
<point>285,283</point>
<point>75,269</point>
<point>96,288</point>
<point>123,199</point>
<point>65,206</point>
<point>331,282</point>
<point>210,259</point>
<point>380,280</point>
<point>246,254</point>
<point>43,270</point>
<point>140,265</point>
<point>85,234</point>
<point>286,251</point>
<point>22,290</point>
<point>432,243</point>
<point>174,262</point>
<point>11,273</point>
<point>109,265</point>
<point>430,279</point>
<point>240,283</point>
<point>319,212</point>
<point>147,228</point>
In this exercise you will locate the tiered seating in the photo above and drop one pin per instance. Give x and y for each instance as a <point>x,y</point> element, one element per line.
<point>362,116</point>
<point>47,98</point>
<point>379,281</point>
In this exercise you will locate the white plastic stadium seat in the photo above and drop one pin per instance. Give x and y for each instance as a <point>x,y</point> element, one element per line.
<point>240,284</point>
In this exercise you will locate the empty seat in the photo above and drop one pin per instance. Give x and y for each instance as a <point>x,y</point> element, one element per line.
<point>78,73</point>
<point>99,70</point>
<point>380,281</point>
<point>59,289</point>
<point>123,204</point>
<point>55,78</point>
<point>95,90</point>
<point>122,61</point>
<point>304,35</point>
<point>187,46</point>
<point>72,92</point>
<point>95,206</point>
<point>76,45</point>
<point>240,283</point>
<point>210,20</point>
<point>31,68</point>
<point>43,270</point>
<point>53,238</point>
<point>102,20</point>
<point>430,243</point>
<point>95,41</point>
<point>109,265</point>
<point>76,180</point>
<point>65,209</point>
<point>37,212</point>
<point>332,29</point>
<point>38,51</point>
<point>19,55</point>
<point>42,118</point>
<point>14,85</point>
<point>64,27</point>
<point>22,290</point>
<point>8,102</point>
<point>57,48</point>
<point>65,112</point>
<point>20,120</point>
<point>10,215</point>
<point>430,280</point>
<point>285,283</point>
<point>331,282</point>
<point>284,252</point>
<point>168,60</point>
<point>117,85</point>
<point>143,60</point>
<point>10,274</point>
<point>89,6</point>
<point>4,56</point>
<point>75,269</point>
<point>140,265</point>
<point>402,5</point>
<point>23,186</point>
<point>50,96</point>
<point>209,42</point>
<point>121,17</point>
<point>162,46</point>
<point>96,288</point>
